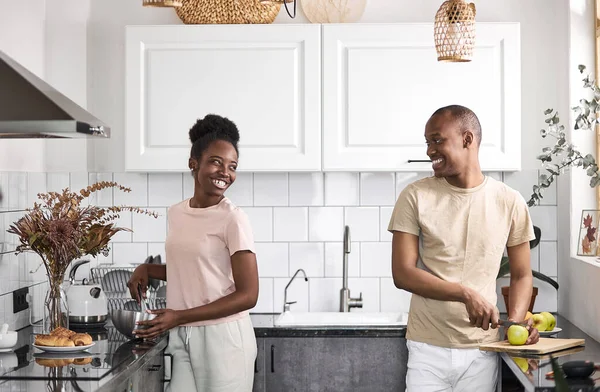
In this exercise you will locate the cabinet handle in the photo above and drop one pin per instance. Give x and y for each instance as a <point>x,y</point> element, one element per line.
<point>418,160</point>
<point>171,360</point>
<point>256,365</point>
<point>272,358</point>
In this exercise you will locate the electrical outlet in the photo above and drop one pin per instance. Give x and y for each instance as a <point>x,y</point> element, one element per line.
<point>20,300</point>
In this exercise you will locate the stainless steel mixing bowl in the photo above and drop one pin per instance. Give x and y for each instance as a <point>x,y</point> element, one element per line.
<point>125,321</point>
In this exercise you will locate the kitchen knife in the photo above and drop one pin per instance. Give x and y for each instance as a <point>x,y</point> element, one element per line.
<point>506,323</point>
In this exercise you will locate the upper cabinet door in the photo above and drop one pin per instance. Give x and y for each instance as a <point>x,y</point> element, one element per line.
<point>265,78</point>
<point>381,83</point>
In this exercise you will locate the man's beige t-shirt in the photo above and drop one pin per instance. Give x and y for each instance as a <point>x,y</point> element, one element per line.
<point>462,237</point>
<point>198,250</point>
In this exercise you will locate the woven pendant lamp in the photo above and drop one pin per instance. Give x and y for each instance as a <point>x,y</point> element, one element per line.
<point>161,3</point>
<point>454,31</point>
<point>285,3</point>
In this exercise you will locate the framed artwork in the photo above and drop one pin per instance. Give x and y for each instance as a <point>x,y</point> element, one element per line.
<point>588,233</point>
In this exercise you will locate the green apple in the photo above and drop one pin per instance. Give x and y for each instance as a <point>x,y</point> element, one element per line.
<point>550,319</point>
<point>523,363</point>
<point>517,335</point>
<point>540,322</point>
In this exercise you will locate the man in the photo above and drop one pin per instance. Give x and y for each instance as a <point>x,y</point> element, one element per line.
<point>449,235</point>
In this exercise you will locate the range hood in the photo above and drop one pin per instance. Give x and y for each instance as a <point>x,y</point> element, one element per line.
<point>31,108</point>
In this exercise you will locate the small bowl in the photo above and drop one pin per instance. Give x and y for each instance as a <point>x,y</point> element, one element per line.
<point>125,321</point>
<point>8,340</point>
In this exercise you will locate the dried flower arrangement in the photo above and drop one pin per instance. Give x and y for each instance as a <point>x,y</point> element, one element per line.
<point>60,230</point>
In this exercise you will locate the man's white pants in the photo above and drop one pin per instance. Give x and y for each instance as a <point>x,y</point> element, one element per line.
<point>439,369</point>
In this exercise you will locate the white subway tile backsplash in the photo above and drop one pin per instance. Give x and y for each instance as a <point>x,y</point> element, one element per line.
<point>534,257</point>
<point>545,218</point>
<point>17,190</point>
<point>129,252</point>
<point>4,189</point>
<point>522,181</point>
<point>363,222</point>
<point>377,189</point>
<point>370,289</point>
<point>261,220</point>
<point>164,189</point>
<point>297,291</point>
<point>326,223</point>
<point>78,181</point>
<point>265,296</point>
<point>393,299</point>
<point>272,259</point>
<point>403,179</point>
<point>306,189</point>
<point>36,183</point>
<point>341,189</point>
<point>334,259</point>
<point>241,191</point>
<point>147,228</point>
<point>309,256</point>
<point>385,214</point>
<point>376,259</point>
<point>188,185</point>
<point>125,220</point>
<point>548,258</point>
<point>138,183</point>
<point>324,294</point>
<point>270,189</point>
<point>290,224</point>
<point>104,197</point>
<point>57,181</point>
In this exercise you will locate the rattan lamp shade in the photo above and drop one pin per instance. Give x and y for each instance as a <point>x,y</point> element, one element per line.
<point>454,31</point>
<point>161,3</point>
<point>227,12</point>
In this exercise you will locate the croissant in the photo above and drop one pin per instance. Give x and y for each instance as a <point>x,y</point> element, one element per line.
<point>61,331</point>
<point>82,361</point>
<point>82,339</point>
<point>52,362</point>
<point>53,341</point>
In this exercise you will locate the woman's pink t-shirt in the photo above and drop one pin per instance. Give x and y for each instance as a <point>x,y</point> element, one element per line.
<point>199,246</point>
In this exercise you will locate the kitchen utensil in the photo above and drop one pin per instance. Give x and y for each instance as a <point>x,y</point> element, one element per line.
<point>578,368</point>
<point>507,324</point>
<point>87,302</point>
<point>543,346</point>
<point>114,282</point>
<point>143,301</point>
<point>125,321</point>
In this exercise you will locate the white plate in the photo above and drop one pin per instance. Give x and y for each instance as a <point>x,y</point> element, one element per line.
<point>550,333</point>
<point>63,349</point>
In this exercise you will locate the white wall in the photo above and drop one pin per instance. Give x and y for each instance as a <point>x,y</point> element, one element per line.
<point>580,276</point>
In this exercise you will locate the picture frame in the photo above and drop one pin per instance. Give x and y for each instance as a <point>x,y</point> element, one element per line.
<point>588,244</point>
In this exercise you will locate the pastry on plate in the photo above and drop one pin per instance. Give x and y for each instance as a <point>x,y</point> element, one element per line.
<point>63,332</point>
<point>82,339</point>
<point>53,341</point>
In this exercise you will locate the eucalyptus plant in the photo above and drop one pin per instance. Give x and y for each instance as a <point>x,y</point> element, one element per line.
<point>564,154</point>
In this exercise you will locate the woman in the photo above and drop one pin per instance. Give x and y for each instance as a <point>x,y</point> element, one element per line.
<point>211,270</point>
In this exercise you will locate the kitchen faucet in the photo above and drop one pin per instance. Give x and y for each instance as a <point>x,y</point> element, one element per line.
<point>286,304</point>
<point>346,301</point>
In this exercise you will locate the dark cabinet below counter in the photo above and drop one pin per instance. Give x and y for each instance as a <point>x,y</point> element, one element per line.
<point>307,364</point>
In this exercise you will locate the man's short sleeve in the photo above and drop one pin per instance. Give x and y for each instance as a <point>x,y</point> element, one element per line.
<point>521,226</point>
<point>405,215</point>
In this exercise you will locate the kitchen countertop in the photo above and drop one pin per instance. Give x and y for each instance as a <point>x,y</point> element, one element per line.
<point>534,378</point>
<point>264,327</point>
<point>114,358</point>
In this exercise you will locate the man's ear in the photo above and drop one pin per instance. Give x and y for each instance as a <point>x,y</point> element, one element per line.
<point>468,138</point>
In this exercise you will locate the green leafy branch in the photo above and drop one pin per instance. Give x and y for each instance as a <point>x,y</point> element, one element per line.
<point>563,154</point>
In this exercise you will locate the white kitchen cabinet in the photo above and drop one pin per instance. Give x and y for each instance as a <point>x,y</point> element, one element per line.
<point>381,83</point>
<point>265,78</point>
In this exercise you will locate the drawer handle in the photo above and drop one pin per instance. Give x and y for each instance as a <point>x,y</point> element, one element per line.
<point>272,359</point>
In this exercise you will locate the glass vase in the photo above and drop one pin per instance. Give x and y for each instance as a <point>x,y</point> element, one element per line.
<point>56,309</point>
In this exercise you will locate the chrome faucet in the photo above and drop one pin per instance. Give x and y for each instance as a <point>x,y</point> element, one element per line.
<point>346,301</point>
<point>286,304</point>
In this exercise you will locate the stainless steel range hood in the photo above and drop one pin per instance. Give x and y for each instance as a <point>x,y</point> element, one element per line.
<point>31,108</point>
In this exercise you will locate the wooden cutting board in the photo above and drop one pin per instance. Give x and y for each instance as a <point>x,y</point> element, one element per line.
<point>544,346</point>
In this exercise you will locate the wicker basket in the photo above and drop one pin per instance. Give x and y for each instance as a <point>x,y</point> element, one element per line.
<point>454,31</point>
<point>227,12</point>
